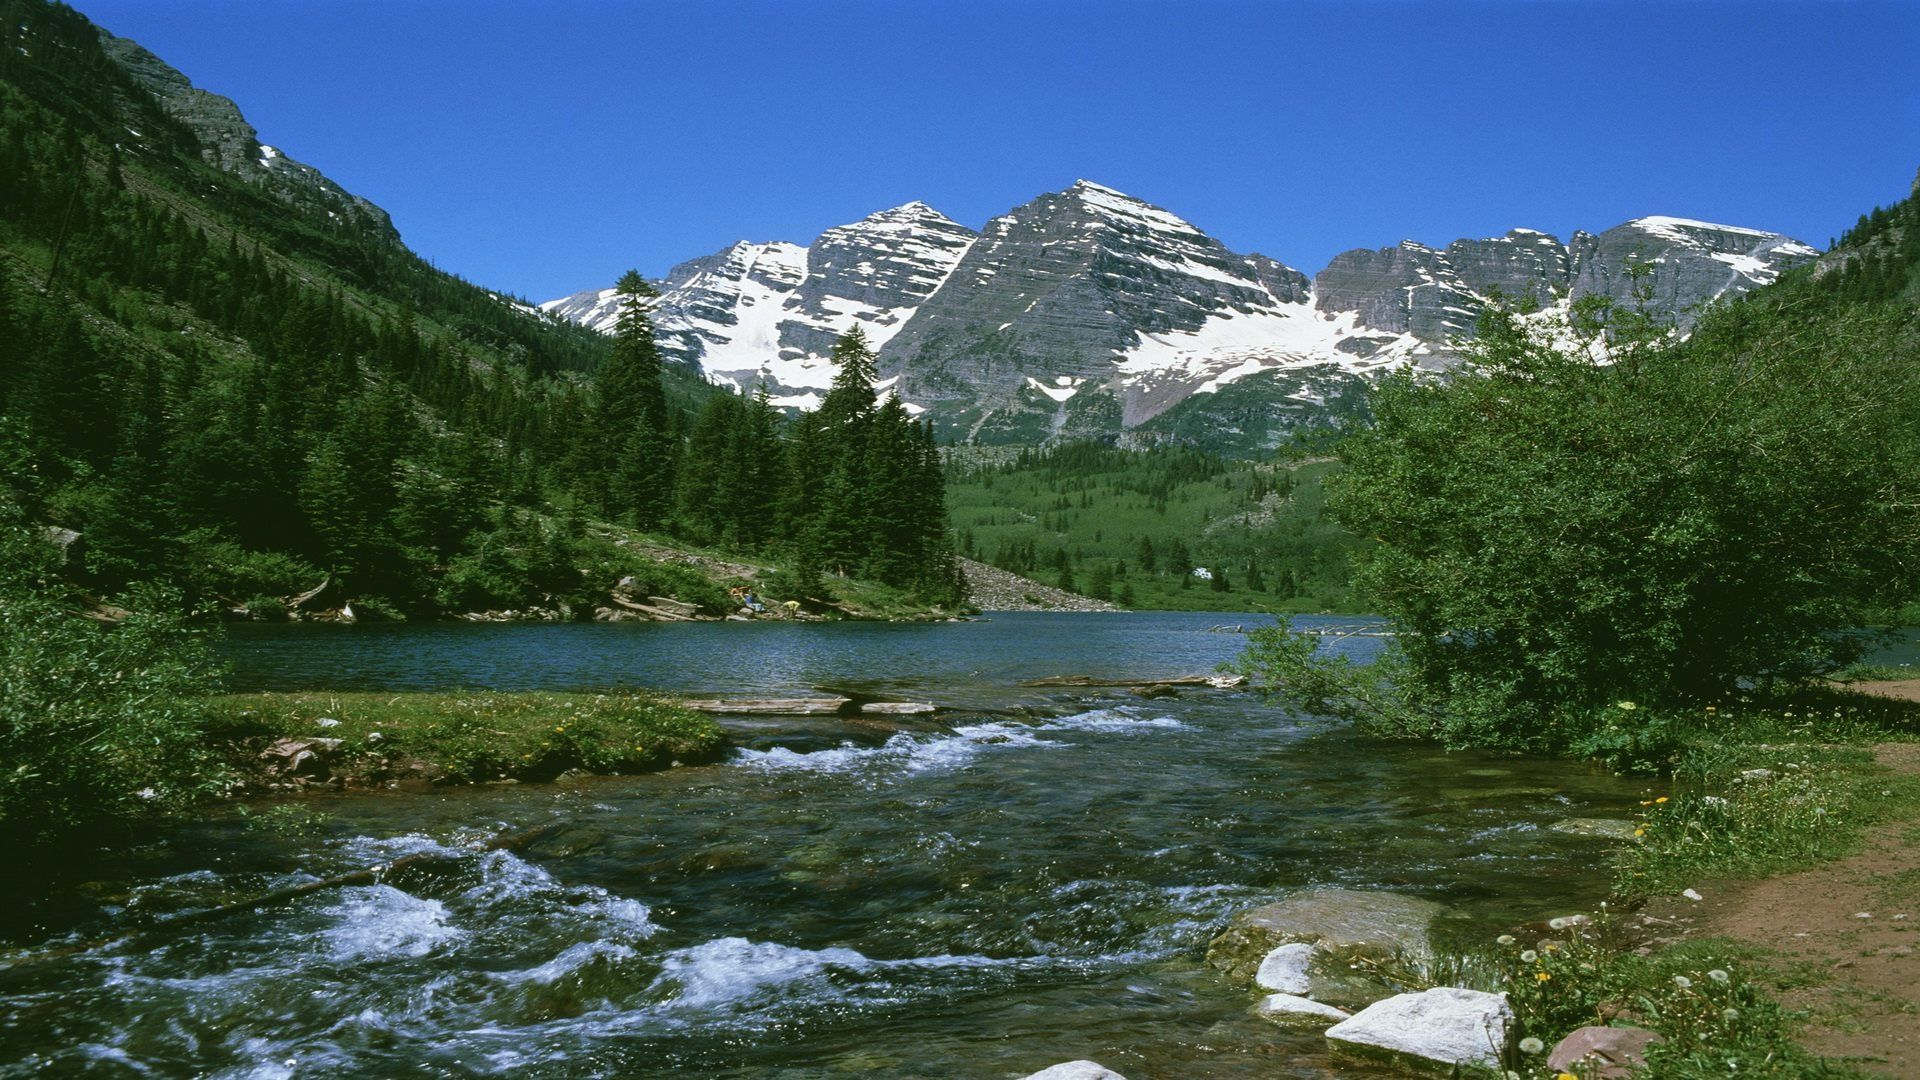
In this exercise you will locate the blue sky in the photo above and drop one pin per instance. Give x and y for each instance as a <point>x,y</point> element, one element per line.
<point>542,148</point>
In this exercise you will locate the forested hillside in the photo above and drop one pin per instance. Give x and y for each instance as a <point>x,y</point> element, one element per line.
<point>229,376</point>
<point>1174,528</point>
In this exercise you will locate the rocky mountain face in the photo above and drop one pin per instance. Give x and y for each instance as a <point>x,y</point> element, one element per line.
<point>1089,313</point>
<point>770,312</point>
<point>230,144</point>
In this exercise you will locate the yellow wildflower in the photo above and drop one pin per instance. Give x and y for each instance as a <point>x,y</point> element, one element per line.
<point>1661,799</point>
<point>1541,976</point>
<point>1639,832</point>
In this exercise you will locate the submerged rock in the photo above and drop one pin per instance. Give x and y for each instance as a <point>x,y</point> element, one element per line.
<point>1435,1030</point>
<point>1075,1070</point>
<point>1602,828</point>
<point>898,708</point>
<point>1295,1011</point>
<point>1345,924</point>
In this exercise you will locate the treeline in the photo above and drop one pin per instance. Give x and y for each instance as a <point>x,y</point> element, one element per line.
<point>855,487</point>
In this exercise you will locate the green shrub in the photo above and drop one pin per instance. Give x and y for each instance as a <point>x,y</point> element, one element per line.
<point>522,561</point>
<point>97,723</point>
<point>267,609</point>
<point>221,567</point>
<point>1556,533</point>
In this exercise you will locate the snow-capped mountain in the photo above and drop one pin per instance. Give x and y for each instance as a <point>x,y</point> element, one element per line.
<point>771,311</point>
<point>1087,312</point>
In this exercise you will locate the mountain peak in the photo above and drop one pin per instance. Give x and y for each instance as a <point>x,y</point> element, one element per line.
<point>908,212</point>
<point>1676,228</point>
<point>1115,205</point>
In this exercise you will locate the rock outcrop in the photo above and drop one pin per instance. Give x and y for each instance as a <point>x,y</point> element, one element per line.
<point>229,143</point>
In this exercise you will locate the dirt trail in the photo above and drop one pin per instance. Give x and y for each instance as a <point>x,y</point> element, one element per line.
<point>1902,689</point>
<point>1856,924</point>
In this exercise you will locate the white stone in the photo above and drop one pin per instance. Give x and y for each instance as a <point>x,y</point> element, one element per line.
<point>1691,894</point>
<point>1293,1009</point>
<point>1285,969</point>
<point>1445,1025</point>
<point>1076,1070</point>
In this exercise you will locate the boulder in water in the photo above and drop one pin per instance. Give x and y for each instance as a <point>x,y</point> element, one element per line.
<point>1432,1031</point>
<point>1346,925</point>
<point>1076,1070</point>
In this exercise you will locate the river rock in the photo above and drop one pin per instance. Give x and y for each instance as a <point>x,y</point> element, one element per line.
<point>1601,828</point>
<point>1603,1053</point>
<point>1296,1011</point>
<point>1345,924</point>
<point>1433,1031</point>
<point>1075,1070</point>
<point>1285,969</point>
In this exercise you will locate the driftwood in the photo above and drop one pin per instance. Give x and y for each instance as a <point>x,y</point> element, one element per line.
<point>368,875</point>
<point>832,706</point>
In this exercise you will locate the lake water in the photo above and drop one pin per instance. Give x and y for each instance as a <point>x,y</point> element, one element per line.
<point>1035,883</point>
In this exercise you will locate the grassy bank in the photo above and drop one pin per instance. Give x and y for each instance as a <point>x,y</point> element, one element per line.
<point>1777,800</point>
<point>460,737</point>
<point>1762,789</point>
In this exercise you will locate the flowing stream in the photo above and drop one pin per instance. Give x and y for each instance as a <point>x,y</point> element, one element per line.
<point>1034,883</point>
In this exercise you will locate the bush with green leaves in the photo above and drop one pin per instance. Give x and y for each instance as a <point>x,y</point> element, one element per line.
<point>1600,511</point>
<point>97,723</point>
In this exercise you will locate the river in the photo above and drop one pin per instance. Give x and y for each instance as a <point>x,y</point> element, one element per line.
<point>1035,884</point>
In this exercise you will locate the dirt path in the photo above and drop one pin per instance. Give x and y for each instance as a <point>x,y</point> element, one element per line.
<point>1855,924</point>
<point>1901,689</point>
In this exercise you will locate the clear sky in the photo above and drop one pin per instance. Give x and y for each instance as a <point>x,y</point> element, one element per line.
<point>542,148</point>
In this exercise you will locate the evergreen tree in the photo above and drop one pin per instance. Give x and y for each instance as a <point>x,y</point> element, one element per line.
<point>632,415</point>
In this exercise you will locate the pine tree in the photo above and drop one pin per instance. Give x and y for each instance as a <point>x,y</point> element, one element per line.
<point>838,526</point>
<point>632,416</point>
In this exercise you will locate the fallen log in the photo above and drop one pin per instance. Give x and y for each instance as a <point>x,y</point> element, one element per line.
<point>832,706</point>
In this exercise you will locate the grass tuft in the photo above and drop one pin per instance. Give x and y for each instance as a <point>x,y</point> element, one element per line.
<point>480,736</point>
